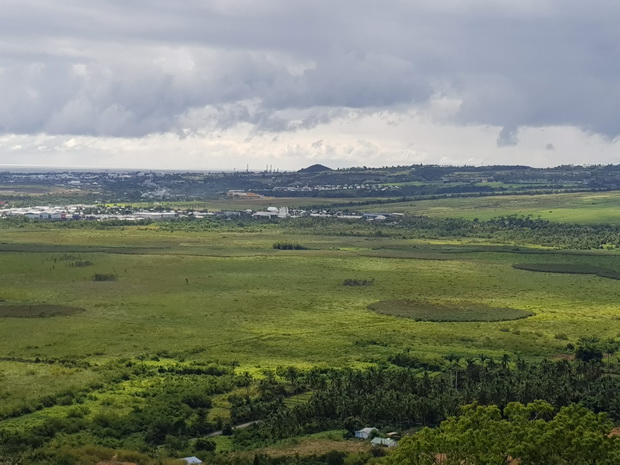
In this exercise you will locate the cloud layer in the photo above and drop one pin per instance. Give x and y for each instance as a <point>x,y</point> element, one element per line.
<point>116,69</point>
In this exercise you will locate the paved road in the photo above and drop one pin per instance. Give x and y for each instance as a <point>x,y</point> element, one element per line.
<point>241,426</point>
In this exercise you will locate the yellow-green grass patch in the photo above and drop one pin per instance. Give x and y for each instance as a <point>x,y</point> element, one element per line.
<point>576,207</point>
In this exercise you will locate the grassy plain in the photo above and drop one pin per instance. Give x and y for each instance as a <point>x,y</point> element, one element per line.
<point>230,297</point>
<point>575,207</point>
<point>578,207</point>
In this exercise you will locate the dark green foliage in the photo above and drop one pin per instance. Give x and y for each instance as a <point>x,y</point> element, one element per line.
<point>528,434</point>
<point>589,350</point>
<point>569,268</point>
<point>406,397</point>
<point>334,458</point>
<point>170,412</point>
<point>174,410</point>
<point>520,229</point>
<point>204,445</point>
<point>288,246</point>
<point>105,277</point>
<point>406,360</point>
<point>358,282</point>
<point>425,311</point>
<point>37,311</point>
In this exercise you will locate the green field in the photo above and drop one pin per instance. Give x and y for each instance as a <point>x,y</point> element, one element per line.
<point>581,207</point>
<point>232,297</point>
<point>74,346</point>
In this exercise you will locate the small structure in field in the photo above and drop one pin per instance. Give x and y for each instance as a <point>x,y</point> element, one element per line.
<point>385,442</point>
<point>191,460</point>
<point>365,433</point>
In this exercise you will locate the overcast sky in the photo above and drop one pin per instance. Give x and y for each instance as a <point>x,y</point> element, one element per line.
<point>223,84</point>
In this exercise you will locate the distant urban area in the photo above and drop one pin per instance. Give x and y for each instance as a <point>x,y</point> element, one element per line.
<point>33,187</point>
<point>142,195</point>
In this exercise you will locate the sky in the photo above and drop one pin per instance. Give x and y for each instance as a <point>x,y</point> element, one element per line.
<point>246,84</point>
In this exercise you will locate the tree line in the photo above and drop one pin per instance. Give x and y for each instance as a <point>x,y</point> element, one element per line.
<point>405,397</point>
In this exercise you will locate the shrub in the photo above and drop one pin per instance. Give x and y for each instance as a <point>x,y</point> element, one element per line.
<point>589,351</point>
<point>358,282</point>
<point>203,444</point>
<point>289,246</point>
<point>105,277</point>
<point>81,263</point>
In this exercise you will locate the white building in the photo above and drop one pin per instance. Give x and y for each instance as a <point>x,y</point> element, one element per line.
<point>365,433</point>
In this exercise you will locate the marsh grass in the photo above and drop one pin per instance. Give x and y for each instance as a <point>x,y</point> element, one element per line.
<point>231,297</point>
<point>570,268</point>
<point>37,311</point>
<point>461,312</point>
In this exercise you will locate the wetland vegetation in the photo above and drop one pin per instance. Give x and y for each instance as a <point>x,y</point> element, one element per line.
<point>312,327</point>
<point>457,311</point>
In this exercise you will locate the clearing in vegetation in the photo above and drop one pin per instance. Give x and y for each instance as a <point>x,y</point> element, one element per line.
<point>426,311</point>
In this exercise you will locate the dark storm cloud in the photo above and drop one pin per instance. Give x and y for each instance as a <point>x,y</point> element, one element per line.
<point>118,68</point>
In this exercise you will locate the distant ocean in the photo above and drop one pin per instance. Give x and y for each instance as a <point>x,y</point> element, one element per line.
<point>82,169</point>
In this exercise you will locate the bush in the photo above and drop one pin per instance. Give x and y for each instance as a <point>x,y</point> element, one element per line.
<point>358,282</point>
<point>288,246</point>
<point>82,263</point>
<point>589,351</point>
<point>203,444</point>
<point>105,277</point>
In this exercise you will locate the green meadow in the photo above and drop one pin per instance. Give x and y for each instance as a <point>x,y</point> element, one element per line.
<point>230,297</point>
<point>96,320</point>
<point>227,296</point>
<point>579,207</point>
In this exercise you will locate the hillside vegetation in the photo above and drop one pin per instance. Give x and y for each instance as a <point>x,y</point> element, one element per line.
<point>143,341</point>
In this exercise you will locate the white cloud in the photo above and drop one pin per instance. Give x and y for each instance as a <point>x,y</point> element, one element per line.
<point>234,74</point>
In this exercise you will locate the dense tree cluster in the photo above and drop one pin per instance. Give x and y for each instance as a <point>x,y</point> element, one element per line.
<point>405,397</point>
<point>172,414</point>
<point>529,434</point>
<point>520,229</point>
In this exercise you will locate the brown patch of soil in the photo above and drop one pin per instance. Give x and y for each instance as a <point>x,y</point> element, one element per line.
<point>117,463</point>
<point>309,447</point>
